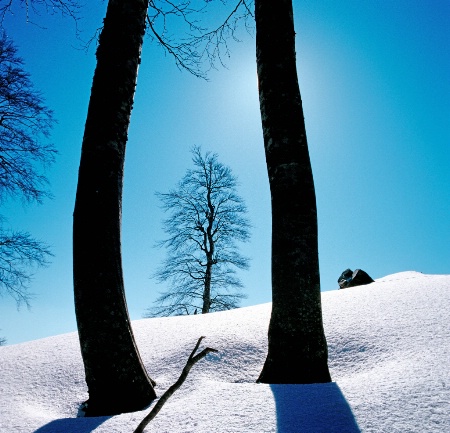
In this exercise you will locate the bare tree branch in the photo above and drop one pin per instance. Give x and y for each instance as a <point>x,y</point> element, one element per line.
<point>206,221</point>
<point>25,124</point>
<point>197,49</point>
<point>162,400</point>
<point>19,254</point>
<point>37,7</point>
<point>174,25</point>
<point>34,9</point>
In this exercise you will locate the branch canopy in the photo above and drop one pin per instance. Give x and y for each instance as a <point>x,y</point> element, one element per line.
<point>207,219</point>
<point>25,125</point>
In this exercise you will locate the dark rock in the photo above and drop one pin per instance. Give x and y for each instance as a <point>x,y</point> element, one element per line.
<point>352,279</point>
<point>345,278</point>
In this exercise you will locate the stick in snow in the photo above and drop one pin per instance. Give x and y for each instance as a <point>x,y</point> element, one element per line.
<point>189,364</point>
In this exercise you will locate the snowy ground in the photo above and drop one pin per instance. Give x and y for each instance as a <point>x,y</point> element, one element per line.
<point>389,352</point>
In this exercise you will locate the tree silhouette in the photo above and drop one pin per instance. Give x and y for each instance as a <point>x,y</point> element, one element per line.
<point>297,351</point>
<point>206,219</point>
<point>115,375</point>
<point>116,378</point>
<point>25,124</point>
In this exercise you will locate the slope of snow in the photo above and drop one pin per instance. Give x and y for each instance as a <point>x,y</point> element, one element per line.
<point>389,352</point>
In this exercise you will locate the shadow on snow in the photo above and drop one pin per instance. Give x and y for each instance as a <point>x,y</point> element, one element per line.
<point>72,425</point>
<point>316,408</point>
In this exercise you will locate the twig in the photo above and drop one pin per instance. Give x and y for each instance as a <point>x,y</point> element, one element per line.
<point>189,364</point>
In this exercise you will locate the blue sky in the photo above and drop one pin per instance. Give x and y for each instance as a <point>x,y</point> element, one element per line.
<point>375,83</point>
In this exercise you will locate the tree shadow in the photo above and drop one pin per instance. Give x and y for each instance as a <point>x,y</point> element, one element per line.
<point>72,425</point>
<point>316,408</point>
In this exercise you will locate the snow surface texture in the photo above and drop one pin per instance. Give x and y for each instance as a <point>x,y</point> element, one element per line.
<point>389,352</point>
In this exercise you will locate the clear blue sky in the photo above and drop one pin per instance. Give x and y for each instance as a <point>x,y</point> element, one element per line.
<point>375,84</point>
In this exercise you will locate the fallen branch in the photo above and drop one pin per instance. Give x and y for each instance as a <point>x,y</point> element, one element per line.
<point>189,364</point>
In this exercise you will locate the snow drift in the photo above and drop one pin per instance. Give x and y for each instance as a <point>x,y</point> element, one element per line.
<point>389,350</point>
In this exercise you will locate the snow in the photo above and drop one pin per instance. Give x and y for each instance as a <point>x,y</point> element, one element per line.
<point>389,352</point>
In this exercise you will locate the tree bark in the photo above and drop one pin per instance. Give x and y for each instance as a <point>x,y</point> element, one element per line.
<point>297,350</point>
<point>115,376</point>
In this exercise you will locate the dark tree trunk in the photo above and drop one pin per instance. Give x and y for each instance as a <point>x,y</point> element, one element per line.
<point>297,346</point>
<point>209,250</point>
<point>116,378</point>
<point>207,287</point>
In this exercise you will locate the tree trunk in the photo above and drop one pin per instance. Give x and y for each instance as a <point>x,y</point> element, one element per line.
<point>297,347</point>
<point>115,376</point>
<point>207,287</point>
<point>209,249</point>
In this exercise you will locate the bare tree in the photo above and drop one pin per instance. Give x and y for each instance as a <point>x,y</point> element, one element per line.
<point>25,124</point>
<point>116,378</point>
<point>207,218</point>
<point>297,350</point>
<point>115,375</point>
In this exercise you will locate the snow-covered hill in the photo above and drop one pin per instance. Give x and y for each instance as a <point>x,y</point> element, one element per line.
<point>389,352</point>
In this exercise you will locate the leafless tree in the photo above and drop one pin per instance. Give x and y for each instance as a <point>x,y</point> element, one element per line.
<point>25,124</point>
<point>297,351</point>
<point>122,385</point>
<point>98,275</point>
<point>206,219</point>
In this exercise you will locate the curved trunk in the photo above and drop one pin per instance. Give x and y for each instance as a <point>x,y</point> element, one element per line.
<point>297,347</point>
<point>115,376</point>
